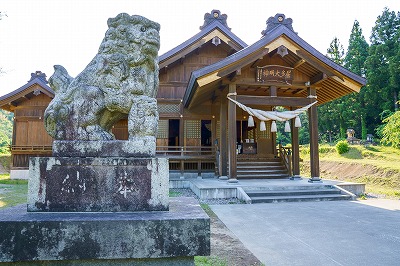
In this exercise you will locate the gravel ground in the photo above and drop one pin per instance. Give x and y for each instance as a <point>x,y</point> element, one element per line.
<point>225,245</point>
<point>186,192</point>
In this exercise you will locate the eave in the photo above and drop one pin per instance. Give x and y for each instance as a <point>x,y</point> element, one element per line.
<point>6,101</point>
<point>206,34</point>
<point>308,59</point>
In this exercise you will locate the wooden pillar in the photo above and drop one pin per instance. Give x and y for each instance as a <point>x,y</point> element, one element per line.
<point>273,91</point>
<point>232,138</point>
<point>216,147</point>
<point>273,143</point>
<point>313,124</point>
<point>223,145</point>
<point>181,128</point>
<point>13,141</point>
<point>182,143</point>
<point>295,149</point>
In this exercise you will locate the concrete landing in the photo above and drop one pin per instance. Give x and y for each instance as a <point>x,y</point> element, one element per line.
<point>213,188</point>
<point>365,232</point>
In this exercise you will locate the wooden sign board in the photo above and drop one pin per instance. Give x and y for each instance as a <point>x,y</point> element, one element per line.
<point>275,73</point>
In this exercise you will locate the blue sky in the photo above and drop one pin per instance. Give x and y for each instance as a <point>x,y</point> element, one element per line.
<point>38,34</point>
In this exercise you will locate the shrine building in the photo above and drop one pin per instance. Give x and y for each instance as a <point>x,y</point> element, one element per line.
<point>219,100</point>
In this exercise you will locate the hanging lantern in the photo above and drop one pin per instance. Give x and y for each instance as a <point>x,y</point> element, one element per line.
<point>297,122</point>
<point>287,126</point>
<point>262,126</point>
<point>250,121</point>
<point>273,126</point>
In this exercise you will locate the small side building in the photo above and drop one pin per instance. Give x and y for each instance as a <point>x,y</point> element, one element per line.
<point>29,138</point>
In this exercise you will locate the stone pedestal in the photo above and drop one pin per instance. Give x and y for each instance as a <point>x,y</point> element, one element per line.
<point>123,238</point>
<point>135,147</point>
<point>108,210</point>
<point>61,184</point>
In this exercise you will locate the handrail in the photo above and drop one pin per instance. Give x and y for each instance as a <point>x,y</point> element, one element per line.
<point>30,147</point>
<point>185,151</point>
<point>286,157</point>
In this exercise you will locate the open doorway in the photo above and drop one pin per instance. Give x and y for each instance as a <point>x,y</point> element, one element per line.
<point>205,132</point>
<point>173,132</point>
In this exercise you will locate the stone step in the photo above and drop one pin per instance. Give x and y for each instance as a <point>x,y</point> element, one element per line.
<point>294,192</point>
<point>259,163</point>
<point>262,175</point>
<point>239,158</point>
<point>255,169</point>
<point>296,198</point>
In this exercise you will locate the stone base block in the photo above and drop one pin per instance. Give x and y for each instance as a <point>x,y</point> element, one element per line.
<point>19,174</point>
<point>59,184</point>
<point>177,261</point>
<point>135,147</point>
<point>105,238</point>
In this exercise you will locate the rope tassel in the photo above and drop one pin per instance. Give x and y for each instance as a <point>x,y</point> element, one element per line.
<point>287,126</point>
<point>273,127</point>
<point>262,126</point>
<point>250,121</point>
<point>297,122</point>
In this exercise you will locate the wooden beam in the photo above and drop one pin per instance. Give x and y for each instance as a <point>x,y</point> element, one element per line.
<point>234,75</point>
<point>240,64</point>
<point>299,63</point>
<point>315,63</point>
<point>252,82</point>
<point>273,101</point>
<point>319,78</point>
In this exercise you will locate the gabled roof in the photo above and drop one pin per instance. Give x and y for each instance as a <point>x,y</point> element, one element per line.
<point>213,27</point>
<point>273,38</point>
<point>37,78</point>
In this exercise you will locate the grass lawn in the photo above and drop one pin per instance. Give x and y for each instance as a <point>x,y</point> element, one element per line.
<point>376,166</point>
<point>12,192</point>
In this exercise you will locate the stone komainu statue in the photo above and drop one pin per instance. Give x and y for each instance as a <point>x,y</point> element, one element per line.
<point>121,81</point>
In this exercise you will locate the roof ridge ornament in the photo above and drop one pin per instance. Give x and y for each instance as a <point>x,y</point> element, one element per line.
<point>215,15</point>
<point>40,75</point>
<point>278,19</point>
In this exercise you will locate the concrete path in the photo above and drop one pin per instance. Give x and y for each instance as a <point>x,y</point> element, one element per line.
<point>318,233</point>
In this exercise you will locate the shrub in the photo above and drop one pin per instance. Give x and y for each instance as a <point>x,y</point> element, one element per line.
<point>342,146</point>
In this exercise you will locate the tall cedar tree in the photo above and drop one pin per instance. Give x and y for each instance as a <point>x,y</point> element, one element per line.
<point>1,16</point>
<point>383,69</point>
<point>331,120</point>
<point>357,53</point>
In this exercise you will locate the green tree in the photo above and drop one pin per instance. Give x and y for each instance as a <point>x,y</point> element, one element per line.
<point>357,53</point>
<point>331,115</point>
<point>6,129</point>
<point>2,14</point>
<point>382,67</point>
<point>391,130</point>
<point>335,52</point>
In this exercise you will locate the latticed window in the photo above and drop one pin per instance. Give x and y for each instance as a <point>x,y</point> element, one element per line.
<point>251,134</point>
<point>168,108</point>
<point>264,134</point>
<point>162,129</point>
<point>218,130</point>
<point>193,129</point>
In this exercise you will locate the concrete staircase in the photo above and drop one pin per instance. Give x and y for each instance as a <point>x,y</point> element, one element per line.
<point>263,168</point>
<point>296,193</point>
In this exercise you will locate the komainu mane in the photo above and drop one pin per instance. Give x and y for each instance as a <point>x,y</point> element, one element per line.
<point>120,82</point>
